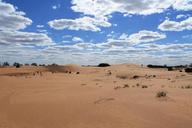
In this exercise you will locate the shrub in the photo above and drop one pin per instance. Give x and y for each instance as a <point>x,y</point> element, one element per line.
<point>104,65</point>
<point>161,94</point>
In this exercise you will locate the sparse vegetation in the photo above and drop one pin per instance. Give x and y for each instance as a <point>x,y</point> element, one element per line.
<point>144,86</point>
<point>126,86</point>
<point>117,87</point>
<point>161,94</point>
<point>187,87</point>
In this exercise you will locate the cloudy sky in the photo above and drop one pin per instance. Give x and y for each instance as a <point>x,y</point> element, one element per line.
<point>94,31</point>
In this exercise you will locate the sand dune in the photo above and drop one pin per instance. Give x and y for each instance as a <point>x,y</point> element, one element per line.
<point>119,96</point>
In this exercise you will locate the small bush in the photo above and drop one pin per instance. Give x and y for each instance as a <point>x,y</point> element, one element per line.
<point>161,94</point>
<point>135,77</point>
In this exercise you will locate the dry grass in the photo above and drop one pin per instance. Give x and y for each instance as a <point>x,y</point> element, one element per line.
<point>161,94</point>
<point>122,76</point>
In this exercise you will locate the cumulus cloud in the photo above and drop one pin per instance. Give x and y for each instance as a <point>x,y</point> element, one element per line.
<point>181,16</point>
<point>169,25</point>
<point>11,19</point>
<point>84,23</point>
<point>24,38</point>
<point>139,7</point>
<point>143,36</point>
<point>97,12</point>
<point>184,5</point>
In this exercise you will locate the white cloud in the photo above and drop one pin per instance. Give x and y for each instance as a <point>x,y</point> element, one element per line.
<point>101,11</point>
<point>24,38</point>
<point>169,25</point>
<point>42,31</point>
<point>181,16</point>
<point>84,23</point>
<point>184,5</point>
<point>77,39</point>
<point>143,36</point>
<point>139,7</point>
<point>54,7</point>
<point>67,36</point>
<point>11,19</point>
<point>40,26</point>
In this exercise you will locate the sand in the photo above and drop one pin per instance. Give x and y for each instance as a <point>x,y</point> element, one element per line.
<point>120,96</point>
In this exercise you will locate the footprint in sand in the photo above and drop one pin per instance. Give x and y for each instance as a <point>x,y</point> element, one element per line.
<point>103,100</point>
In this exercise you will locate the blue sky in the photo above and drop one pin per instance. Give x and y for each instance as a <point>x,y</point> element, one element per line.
<point>94,31</point>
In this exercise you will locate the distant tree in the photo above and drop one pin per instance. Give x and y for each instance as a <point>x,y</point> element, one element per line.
<point>190,65</point>
<point>188,70</point>
<point>104,65</point>
<point>17,65</point>
<point>54,64</point>
<point>42,65</point>
<point>34,64</point>
<point>5,64</point>
<point>26,64</point>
